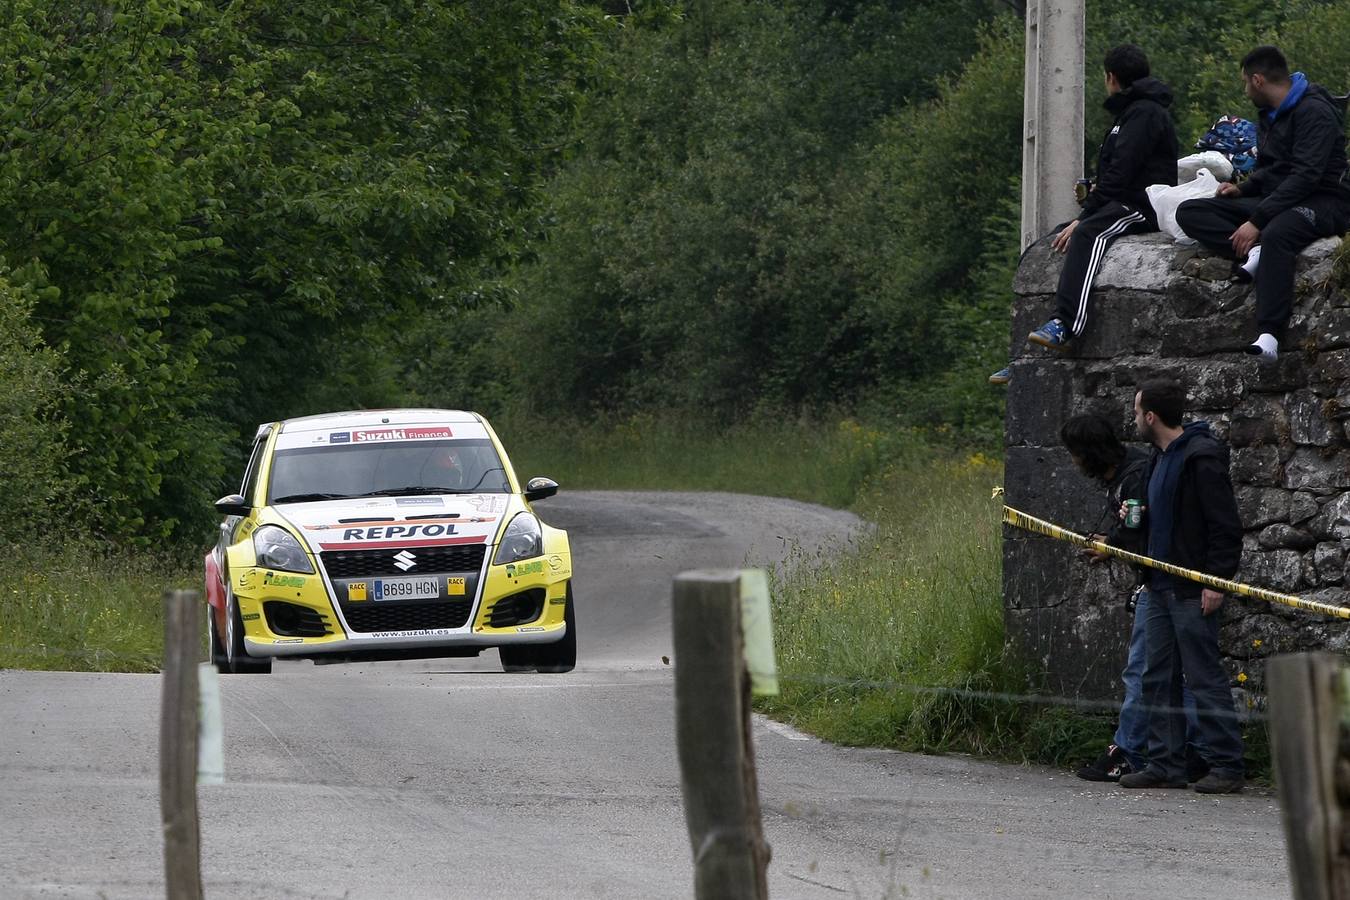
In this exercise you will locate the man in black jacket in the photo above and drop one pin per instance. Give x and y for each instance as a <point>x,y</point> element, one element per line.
<point>1193,523</point>
<point>1139,150</point>
<point>1298,192</point>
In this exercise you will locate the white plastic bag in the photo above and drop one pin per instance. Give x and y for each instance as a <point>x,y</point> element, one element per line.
<point>1189,166</point>
<point>1165,199</point>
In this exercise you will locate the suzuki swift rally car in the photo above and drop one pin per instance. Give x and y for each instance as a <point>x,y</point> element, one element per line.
<point>392,534</point>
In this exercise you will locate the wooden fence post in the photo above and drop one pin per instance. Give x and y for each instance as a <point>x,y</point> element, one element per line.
<point>716,751</point>
<point>1306,702</point>
<point>178,747</point>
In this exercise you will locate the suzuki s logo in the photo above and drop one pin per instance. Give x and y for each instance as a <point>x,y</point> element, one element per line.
<point>405,560</point>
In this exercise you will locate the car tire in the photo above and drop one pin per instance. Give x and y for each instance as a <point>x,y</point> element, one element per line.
<point>213,644</point>
<point>238,661</point>
<point>517,659</point>
<point>560,656</point>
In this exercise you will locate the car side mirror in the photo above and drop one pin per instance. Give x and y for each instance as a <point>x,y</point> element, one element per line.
<point>539,487</point>
<point>233,505</point>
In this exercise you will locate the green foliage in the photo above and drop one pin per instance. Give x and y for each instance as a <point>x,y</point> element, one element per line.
<point>702,248</point>
<point>945,205</point>
<point>34,492</point>
<point>105,171</point>
<point>229,212</point>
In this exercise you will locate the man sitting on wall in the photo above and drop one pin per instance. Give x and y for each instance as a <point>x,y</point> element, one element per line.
<point>1298,192</point>
<point>1139,150</point>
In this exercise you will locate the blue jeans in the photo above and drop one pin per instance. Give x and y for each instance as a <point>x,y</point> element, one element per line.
<point>1132,732</point>
<point>1182,650</point>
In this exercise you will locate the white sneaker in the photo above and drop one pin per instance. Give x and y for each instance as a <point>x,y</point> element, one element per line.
<point>1265,347</point>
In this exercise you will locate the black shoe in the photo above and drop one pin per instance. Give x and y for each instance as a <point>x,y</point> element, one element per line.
<point>1196,768</point>
<point>1214,783</point>
<point>1149,779</point>
<point>1108,767</point>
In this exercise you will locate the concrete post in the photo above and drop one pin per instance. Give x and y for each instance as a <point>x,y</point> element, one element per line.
<point>1052,146</point>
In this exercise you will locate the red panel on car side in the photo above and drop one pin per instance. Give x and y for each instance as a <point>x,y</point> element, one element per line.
<point>215,588</point>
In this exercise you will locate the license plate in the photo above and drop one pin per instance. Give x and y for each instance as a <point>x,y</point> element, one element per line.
<point>406,589</point>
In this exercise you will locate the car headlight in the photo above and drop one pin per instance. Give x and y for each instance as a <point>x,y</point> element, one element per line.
<point>277,548</point>
<point>522,540</point>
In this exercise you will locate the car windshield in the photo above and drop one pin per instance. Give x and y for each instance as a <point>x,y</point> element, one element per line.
<point>386,469</point>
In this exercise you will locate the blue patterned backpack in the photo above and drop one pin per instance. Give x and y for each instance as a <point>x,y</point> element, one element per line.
<point>1235,138</point>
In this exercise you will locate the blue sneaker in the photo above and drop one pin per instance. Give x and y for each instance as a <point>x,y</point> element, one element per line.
<point>1002,376</point>
<point>1052,334</point>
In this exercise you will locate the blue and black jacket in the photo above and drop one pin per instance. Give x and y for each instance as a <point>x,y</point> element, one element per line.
<point>1206,532</point>
<point>1300,151</point>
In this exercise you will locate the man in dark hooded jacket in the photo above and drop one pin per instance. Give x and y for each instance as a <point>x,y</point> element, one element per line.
<point>1192,522</point>
<point>1139,150</point>
<point>1298,192</point>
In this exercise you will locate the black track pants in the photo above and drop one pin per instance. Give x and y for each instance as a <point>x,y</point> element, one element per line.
<point>1087,248</point>
<point>1213,221</point>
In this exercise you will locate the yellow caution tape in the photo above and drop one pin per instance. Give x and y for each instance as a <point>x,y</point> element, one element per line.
<point>1019,519</point>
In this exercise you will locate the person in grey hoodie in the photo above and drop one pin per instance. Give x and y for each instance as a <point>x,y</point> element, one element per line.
<point>1192,522</point>
<point>1298,192</point>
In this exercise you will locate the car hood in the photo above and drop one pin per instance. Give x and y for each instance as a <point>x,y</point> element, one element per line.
<point>376,522</point>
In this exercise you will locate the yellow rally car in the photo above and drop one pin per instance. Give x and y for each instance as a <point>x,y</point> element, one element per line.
<point>387,534</point>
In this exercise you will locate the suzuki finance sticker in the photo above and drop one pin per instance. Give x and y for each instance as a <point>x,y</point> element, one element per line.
<point>400,434</point>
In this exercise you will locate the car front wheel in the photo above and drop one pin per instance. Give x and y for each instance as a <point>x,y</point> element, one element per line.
<point>238,660</point>
<point>560,656</point>
<point>517,658</point>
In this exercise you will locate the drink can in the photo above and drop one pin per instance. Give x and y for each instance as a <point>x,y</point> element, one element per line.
<point>1134,513</point>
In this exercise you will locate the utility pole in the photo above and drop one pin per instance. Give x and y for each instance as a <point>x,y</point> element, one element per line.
<point>1052,140</point>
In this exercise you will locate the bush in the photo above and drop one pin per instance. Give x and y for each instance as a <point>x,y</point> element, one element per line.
<point>704,248</point>
<point>36,492</point>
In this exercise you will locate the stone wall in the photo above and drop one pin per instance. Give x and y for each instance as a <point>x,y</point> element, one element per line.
<point>1160,309</point>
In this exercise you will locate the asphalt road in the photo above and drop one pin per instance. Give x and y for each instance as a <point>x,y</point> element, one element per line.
<point>450,779</point>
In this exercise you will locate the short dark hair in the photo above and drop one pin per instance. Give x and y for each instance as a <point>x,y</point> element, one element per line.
<point>1127,62</point>
<point>1164,398</point>
<point>1266,60</point>
<point>1092,439</point>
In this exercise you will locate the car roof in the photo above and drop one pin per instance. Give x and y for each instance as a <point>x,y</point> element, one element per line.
<point>363,418</point>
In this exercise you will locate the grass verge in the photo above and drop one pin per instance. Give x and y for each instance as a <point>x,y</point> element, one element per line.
<point>81,610</point>
<point>893,642</point>
<point>806,460</point>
